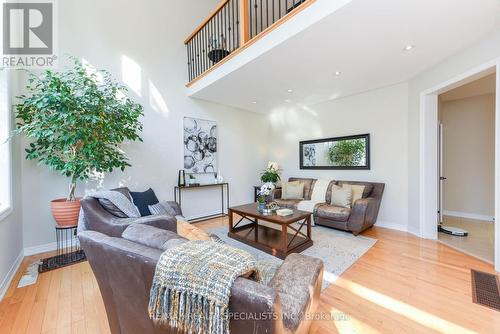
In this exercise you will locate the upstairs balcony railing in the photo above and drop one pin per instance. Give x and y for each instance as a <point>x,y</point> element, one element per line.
<point>231,27</point>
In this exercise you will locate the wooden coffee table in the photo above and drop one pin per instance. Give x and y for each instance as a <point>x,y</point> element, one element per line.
<point>280,241</point>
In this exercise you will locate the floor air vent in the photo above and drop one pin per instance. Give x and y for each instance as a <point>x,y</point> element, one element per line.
<point>485,289</point>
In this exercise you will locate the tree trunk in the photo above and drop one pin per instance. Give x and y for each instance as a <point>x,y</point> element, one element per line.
<point>71,192</point>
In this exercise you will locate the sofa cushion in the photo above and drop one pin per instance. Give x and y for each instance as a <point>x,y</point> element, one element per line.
<point>368,186</point>
<point>328,197</point>
<point>308,185</point>
<point>113,209</point>
<point>332,212</point>
<point>292,190</point>
<point>357,191</point>
<point>152,236</point>
<point>341,197</point>
<point>143,199</point>
<point>287,203</point>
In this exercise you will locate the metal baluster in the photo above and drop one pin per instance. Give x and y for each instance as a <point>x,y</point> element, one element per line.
<point>187,54</point>
<point>234,28</point>
<point>250,18</point>
<point>256,18</point>
<point>272,3</point>
<point>192,58</point>
<point>228,26</point>
<point>198,59</point>
<point>204,48</point>
<point>238,20</point>
<point>224,29</point>
<point>261,18</point>
<point>195,50</point>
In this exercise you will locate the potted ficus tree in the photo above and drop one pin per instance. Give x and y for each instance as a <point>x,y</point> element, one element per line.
<point>76,121</point>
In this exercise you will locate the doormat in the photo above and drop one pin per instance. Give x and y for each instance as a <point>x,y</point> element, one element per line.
<point>485,289</point>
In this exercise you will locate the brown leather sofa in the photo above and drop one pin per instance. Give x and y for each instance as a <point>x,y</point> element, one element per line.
<point>124,267</point>
<point>360,217</point>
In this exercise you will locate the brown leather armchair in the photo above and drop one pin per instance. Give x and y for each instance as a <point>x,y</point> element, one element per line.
<point>124,268</point>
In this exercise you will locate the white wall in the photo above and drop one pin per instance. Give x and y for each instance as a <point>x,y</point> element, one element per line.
<point>145,40</point>
<point>11,239</point>
<point>478,54</point>
<point>382,113</point>
<point>469,155</point>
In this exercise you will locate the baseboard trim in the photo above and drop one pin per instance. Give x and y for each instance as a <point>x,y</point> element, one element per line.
<point>10,275</point>
<point>392,226</point>
<point>40,249</point>
<point>474,216</point>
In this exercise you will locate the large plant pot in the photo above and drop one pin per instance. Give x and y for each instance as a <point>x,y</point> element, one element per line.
<point>65,213</point>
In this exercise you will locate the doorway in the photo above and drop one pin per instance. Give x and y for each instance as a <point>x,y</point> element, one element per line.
<point>429,174</point>
<point>466,159</point>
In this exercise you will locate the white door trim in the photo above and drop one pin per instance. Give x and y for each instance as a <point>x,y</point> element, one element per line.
<point>428,151</point>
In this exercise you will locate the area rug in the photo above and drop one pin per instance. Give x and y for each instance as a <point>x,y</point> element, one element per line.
<point>338,250</point>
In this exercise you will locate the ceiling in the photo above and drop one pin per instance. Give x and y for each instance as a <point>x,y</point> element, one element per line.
<point>364,40</point>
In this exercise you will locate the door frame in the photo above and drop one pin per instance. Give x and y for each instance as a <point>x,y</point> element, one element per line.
<point>429,174</point>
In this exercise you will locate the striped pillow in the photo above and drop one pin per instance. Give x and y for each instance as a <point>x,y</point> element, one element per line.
<point>162,208</point>
<point>157,209</point>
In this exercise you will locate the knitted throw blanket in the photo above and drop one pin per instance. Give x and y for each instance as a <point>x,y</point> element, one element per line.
<point>192,285</point>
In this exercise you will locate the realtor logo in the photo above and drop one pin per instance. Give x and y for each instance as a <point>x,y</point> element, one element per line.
<point>28,34</point>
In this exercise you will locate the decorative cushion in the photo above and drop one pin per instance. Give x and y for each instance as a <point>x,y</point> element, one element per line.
<point>191,232</point>
<point>143,199</point>
<point>368,186</point>
<point>162,208</point>
<point>328,196</point>
<point>357,191</point>
<point>341,196</point>
<point>332,212</point>
<point>293,190</point>
<point>157,209</point>
<point>308,185</point>
<point>113,209</point>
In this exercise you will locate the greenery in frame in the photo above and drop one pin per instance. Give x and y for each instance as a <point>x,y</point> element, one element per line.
<point>347,153</point>
<point>76,121</point>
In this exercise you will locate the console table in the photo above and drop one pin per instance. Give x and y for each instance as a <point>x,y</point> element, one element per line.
<point>178,197</point>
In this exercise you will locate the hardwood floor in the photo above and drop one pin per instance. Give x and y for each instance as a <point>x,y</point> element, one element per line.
<point>402,285</point>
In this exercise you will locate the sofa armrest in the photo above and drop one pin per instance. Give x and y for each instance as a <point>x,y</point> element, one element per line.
<point>363,214</point>
<point>277,194</point>
<point>254,308</point>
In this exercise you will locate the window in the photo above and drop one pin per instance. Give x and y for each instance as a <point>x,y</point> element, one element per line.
<point>5,149</point>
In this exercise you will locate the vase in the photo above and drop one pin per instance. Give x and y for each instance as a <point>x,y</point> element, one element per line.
<point>262,206</point>
<point>65,213</point>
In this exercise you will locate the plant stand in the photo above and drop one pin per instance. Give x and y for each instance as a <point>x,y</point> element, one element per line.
<point>68,250</point>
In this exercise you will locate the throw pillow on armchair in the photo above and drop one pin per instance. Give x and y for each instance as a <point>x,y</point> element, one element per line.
<point>143,199</point>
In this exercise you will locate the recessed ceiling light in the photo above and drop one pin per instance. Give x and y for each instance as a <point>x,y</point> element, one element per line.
<point>254,102</point>
<point>408,47</point>
<point>290,90</point>
<point>337,73</point>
